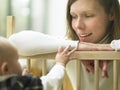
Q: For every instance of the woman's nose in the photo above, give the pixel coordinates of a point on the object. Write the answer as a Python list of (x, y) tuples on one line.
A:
[(80, 24)]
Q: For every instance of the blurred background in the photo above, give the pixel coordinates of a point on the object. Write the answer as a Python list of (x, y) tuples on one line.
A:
[(46, 16)]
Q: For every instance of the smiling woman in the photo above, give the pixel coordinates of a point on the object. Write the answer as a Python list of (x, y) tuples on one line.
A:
[(93, 21)]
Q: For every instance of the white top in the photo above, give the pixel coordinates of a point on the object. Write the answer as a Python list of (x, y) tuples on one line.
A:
[(54, 79), (115, 44), (32, 43)]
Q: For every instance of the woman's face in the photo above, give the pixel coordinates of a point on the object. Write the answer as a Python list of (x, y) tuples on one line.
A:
[(89, 20)]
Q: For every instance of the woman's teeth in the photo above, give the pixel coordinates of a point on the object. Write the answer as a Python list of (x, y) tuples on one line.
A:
[(85, 35)]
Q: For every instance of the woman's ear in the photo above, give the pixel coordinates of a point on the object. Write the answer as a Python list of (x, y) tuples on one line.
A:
[(4, 68), (111, 16)]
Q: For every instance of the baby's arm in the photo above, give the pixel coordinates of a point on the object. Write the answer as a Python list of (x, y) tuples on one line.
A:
[(54, 79)]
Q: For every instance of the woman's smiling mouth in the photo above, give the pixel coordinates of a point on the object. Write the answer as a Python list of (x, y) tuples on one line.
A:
[(85, 35)]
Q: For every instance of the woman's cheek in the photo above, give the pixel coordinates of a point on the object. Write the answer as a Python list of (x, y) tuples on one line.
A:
[(73, 26)]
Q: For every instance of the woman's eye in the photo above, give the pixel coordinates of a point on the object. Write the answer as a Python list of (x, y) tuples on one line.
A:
[(88, 15), (73, 16)]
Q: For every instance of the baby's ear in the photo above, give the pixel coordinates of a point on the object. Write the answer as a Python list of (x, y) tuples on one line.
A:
[(4, 68)]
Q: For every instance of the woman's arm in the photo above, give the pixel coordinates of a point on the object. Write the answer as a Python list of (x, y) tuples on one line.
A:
[(33, 43), (84, 46)]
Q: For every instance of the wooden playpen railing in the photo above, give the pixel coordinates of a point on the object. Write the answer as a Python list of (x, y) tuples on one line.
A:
[(81, 55)]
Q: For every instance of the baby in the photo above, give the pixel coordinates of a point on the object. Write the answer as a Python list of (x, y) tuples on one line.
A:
[(11, 77)]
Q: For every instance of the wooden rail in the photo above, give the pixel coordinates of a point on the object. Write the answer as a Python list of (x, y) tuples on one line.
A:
[(89, 55), (80, 55)]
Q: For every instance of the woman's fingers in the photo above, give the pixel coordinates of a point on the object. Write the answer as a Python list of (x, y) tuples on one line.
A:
[(104, 69), (89, 65)]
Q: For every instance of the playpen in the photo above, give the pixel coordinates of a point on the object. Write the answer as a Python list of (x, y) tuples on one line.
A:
[(82, 55)]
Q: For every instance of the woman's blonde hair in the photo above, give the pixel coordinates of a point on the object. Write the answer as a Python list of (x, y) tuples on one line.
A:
[(110, 6)]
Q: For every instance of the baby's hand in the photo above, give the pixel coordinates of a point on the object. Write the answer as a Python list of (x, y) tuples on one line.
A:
[(25, 71), (63, 55)]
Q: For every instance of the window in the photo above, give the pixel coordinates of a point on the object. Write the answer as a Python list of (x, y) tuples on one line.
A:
[(47, 16)]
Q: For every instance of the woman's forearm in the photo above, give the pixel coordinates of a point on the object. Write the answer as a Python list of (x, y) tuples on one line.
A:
[(84, 46), (33, 43)]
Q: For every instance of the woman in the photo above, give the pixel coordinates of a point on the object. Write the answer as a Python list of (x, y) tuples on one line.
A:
[(93, 21)]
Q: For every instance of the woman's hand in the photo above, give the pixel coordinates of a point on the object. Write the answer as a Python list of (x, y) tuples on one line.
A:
[(89, 64)]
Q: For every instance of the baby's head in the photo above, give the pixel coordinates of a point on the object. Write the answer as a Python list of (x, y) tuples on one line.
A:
[(8, 58)]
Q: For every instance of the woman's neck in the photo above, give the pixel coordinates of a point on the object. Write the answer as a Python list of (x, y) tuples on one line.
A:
[(106, 39)]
